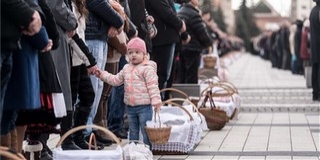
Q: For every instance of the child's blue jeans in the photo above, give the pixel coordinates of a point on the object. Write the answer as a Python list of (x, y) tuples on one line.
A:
[(137, 118)]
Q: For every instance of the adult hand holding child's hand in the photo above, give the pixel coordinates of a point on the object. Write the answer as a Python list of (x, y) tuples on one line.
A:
[(98, 73), (92, 69)]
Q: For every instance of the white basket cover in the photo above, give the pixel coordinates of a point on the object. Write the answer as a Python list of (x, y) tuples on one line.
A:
[(59, 154)]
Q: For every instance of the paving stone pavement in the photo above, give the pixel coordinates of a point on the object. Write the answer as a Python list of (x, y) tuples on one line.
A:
[(278, 119)]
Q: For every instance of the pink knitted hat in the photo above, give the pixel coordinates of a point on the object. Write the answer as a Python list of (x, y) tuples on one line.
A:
[(138, 44)]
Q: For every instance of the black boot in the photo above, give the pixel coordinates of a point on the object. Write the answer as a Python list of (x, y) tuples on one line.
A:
[(66, 125), (46, 153), (80, 118)]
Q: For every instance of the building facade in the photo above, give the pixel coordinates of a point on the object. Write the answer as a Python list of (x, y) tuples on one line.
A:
[(266, 16), (228, 13)]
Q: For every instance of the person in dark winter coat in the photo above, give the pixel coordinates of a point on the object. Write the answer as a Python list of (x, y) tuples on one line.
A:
[(315, 49), (169, 27), (15, 14), (273, 49), (305, 44), (66, 25), (25, 79), (297, 45), (38, 129), (284, 42), (19, 63), (138, 17), (190, 55), (278, 48)]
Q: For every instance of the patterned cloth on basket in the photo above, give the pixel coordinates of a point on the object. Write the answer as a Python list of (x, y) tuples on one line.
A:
[(184, 136)]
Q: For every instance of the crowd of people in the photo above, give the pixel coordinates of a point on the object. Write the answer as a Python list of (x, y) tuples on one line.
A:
[(57, 54), (293, 46)]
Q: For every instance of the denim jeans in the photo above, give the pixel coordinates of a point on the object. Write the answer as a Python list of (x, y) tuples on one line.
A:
[(137, 118), (99, 51), (5, 68), (116, 106), (116, 109)]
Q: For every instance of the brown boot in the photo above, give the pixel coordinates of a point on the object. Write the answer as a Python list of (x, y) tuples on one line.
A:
[(101, 136), (20, 136), (14, 143), (6, 140), (101, 133)]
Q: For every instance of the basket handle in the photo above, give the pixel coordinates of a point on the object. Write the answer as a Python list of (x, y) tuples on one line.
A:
[(156, 114), (207, 97), (175, 90), (229, 85), (92, 138), (106, 131), (209, 94), (223, 87), (11, 154), (195, 108), (170, 101)]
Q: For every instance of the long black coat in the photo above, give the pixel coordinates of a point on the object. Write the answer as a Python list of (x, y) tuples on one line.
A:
[(14, 14), (65, 21), (166, 20), (200, 38), (314, 33), (138, 18)]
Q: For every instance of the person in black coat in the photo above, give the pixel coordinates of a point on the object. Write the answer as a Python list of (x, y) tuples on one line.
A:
[(138, 18), (190, 55), (66, 23), (297, 44), (285, 46), (315, 49), (169, 27), (15, 14)]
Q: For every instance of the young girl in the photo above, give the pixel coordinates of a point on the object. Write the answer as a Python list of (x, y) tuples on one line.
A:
[(141, 90)]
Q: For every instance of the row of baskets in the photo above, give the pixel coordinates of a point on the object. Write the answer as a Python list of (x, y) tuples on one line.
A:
[(217, 103), (181, 122)]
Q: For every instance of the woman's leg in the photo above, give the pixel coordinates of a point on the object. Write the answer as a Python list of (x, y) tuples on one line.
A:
[(20, 136), (99, 51)]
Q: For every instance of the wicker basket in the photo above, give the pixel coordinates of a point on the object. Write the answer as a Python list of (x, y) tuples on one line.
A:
[(209, 61), (85, 154), (175, 102), (158, 135), (216, 118)]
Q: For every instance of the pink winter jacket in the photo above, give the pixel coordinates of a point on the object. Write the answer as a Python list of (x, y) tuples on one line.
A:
[(140, 83)]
